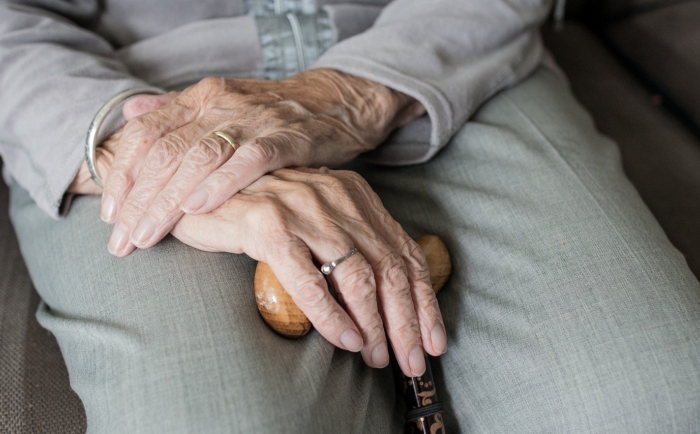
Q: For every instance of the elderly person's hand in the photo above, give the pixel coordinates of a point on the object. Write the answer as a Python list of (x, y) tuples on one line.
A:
[(290, 217), (170, 162), (105, 153)]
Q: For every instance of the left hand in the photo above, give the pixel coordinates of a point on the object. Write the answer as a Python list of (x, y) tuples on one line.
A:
[(292, 216), (170, 163)]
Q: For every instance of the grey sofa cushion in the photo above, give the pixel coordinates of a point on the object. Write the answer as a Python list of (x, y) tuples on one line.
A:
[(35, 396), (660, 155), (665, 45)]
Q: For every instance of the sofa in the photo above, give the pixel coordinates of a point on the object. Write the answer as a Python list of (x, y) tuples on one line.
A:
[(634, 64)]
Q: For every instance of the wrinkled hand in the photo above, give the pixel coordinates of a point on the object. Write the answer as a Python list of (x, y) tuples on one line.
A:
[(170, 163), (104, 154), (290, 217)]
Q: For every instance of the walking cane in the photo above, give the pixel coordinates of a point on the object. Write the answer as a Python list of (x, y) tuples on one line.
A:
[(424, 411)]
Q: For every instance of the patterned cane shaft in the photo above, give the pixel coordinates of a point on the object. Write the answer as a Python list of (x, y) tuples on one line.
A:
[(424, 412)]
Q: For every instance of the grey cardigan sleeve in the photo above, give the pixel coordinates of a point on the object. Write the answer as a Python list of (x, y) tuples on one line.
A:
[(54, 77), (451, 55)]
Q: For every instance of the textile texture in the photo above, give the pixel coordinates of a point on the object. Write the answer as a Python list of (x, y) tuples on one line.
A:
[(59, 57), (34, 393), (661, 156), (568, 310)]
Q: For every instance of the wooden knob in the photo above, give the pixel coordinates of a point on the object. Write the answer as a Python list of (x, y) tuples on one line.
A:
[(276, 306), (438, 258), (281, 313)]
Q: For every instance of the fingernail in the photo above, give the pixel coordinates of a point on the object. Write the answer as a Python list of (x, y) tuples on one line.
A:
[(439, 338), (351, 340), (416, 361), (144, 230), (119, 238), (195, 201), (380, 355), (109, 209)]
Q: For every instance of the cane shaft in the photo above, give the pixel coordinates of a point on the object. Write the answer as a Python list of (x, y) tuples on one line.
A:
[(420, 394)]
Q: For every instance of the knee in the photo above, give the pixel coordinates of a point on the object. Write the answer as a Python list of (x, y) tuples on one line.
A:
[(647, 384)]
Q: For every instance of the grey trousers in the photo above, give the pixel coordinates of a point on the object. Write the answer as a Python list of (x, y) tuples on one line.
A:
[(568, 309)]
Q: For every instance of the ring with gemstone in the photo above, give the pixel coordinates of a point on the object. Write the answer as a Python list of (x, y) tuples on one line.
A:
[(328, 267)]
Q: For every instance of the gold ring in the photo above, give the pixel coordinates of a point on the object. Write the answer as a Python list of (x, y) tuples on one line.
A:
[(228, 138)]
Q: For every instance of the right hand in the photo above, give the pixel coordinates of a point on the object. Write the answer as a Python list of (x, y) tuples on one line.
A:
[(292, 216)]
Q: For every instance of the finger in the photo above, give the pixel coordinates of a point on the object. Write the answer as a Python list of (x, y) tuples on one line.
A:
[(203, 158), (354, 282), (393, 287), (250, 162), (295, 270), (83, 182), (160, 165), (142, 104), (432, 328), (394, 295), (139, 136)]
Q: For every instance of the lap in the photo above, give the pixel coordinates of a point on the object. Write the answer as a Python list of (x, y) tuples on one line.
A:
[(568, 309), (169, 339)]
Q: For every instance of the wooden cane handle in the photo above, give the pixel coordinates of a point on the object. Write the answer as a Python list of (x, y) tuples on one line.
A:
[(281, 313)]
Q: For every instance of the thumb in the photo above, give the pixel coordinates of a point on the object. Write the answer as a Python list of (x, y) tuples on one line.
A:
[(142, 104)]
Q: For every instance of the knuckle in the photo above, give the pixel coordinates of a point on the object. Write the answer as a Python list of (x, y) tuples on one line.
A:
[(302, 193), (269, 215), (168, 202), (221, 179), (330, 186), (394, 273), (244, 103), (361, 294), (293, 108), (137, 125), (140, 128), (332, 182), (118, 179), (310, 289), (415, 256), (358, 277), (375, 331), (211, 85), (329, 318), (133, 209), (165, 152), (272, 115), (206, 151), (429, 304), (407, 330), (262, 151)]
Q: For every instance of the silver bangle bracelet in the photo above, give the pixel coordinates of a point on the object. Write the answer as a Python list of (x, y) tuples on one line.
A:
[(98, 120)]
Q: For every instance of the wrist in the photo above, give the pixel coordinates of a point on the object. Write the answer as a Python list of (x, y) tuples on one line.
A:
[(373, 109)]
